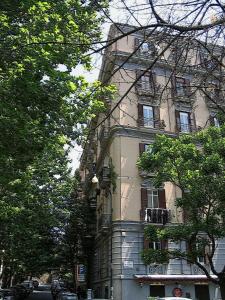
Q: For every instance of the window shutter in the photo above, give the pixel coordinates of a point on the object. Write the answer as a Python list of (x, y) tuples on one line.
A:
[(136, 43), (185, 216), (177, 117), (173, 86), (189, 122), (188, 247), (162, 198), (138, 81), (156, 116), (164, 244), (211, 120), (192, 122), (146, 244), (144, 202), (141, 148), (154, 82), (187, 87), (140, 115), (206, 256)]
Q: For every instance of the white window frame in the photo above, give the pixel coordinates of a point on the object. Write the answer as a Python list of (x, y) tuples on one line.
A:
[(144, 48), (200, 259), (155, 245), (145, 82), (180, 86), (216, 122), (153, 197), (148, 147), (148, 122), (184, 126), (147, 47)]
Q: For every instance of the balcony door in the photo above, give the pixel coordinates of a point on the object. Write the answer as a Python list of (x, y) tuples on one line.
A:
[(202, 292), (153, 198), (157, 290)]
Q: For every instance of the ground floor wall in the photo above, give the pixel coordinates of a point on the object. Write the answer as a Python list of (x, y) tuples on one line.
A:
[(128, 289), (125, 265)]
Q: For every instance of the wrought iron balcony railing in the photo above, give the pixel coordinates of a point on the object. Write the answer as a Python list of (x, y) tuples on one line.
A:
[(157, 215)]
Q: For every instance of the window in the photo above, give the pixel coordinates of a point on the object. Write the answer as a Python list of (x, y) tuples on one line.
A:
[(213, 90), (144, 48), (153, 204), (201, 259), (148, 148), (180, 86), (148, 116), (145, 147), (183, 120), (153, 198), (157, 290), (178, 54), (155, 245), (207, 59), (146, 82), (216, 122)]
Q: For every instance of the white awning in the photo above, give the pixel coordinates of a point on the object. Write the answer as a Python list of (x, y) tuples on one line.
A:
[(173, 277)]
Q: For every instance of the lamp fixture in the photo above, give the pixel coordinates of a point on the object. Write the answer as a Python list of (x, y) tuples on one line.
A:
[(94, 179)]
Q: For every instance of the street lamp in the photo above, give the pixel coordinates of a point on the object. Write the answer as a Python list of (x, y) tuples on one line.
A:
[(1, 266), (94, 179)]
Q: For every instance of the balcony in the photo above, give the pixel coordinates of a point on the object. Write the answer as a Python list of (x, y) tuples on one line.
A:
[(157, 215), (104, 222)]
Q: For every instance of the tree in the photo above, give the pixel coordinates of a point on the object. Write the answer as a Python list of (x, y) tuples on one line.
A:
[(196, 165), (35, 214), (44, 107), (70, 245), (38, 98)]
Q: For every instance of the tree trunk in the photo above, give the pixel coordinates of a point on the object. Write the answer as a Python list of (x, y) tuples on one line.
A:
[(222, 289), (73, 267)]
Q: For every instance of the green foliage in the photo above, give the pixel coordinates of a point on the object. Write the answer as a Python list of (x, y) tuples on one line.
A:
[(196, 165), (37, 211), (150, 256), (38, 98), (43, 108)]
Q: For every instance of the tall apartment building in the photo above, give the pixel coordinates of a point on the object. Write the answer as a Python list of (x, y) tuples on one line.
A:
[(163, 101)]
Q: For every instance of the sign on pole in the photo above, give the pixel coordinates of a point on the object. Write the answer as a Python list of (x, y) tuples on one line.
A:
[(81, 273), (89, 294)]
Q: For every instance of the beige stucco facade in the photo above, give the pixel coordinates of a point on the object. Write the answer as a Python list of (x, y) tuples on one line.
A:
[(119, 206)]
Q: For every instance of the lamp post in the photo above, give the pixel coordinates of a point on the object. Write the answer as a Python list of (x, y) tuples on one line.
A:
[(95, 181), (111, 242), (1, 266)]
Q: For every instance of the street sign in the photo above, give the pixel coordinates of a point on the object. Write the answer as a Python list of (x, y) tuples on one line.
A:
[(81, 273)]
